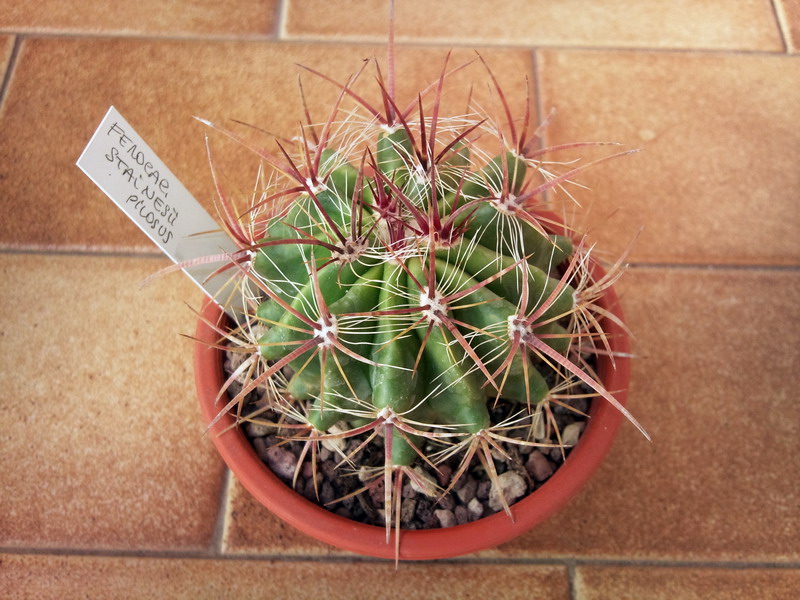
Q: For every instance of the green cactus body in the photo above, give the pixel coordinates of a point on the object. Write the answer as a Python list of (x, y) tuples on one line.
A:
[(395, 153), (392, 351)]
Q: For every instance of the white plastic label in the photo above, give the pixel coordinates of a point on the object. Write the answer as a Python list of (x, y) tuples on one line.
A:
[(122, 165)]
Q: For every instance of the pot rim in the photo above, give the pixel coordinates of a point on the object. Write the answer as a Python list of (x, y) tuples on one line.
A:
[(486, 532)]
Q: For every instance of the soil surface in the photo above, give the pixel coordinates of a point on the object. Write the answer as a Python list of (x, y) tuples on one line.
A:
[(347, 478)]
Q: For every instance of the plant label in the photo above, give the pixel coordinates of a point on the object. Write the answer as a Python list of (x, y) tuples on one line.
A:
[(127, 170)]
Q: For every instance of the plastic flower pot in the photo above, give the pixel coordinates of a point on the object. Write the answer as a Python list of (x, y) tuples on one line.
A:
[(370, 540)]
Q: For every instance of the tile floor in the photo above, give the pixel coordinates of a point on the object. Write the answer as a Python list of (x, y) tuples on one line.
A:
[(109, 488)]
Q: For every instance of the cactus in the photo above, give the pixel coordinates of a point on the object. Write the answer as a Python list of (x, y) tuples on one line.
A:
[(400, 282)]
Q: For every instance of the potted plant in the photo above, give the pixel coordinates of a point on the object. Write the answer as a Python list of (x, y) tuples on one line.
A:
[(405, 289)]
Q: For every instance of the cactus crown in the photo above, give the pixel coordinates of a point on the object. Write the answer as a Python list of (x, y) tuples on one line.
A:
[(400, 281)]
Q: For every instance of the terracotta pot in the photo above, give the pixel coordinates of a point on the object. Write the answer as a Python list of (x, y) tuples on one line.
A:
[(370, 540)]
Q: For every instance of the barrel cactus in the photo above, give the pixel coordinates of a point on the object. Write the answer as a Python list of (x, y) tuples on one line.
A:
[(399, 281)]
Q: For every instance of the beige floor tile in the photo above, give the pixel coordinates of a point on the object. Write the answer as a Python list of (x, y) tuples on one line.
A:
[(716, 180), (714, 384), (62, 577), (102, 438), (158, 86), (653, 583), (252, 529), (748, 24), (789, 13), (146, 17)]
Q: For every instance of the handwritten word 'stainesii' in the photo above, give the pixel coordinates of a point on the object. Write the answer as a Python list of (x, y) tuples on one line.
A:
[(152, 189)]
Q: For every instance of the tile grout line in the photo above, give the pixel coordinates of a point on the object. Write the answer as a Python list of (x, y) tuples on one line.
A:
[(80, 253), (714, 267), (280, 20), (10, 68), (571, 574), (683, 564), (140, 37), (522, 46), (537, 92), (783, 26), (421, 42), (571, 564), (221, 526), (540, 112), (85, 252)]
